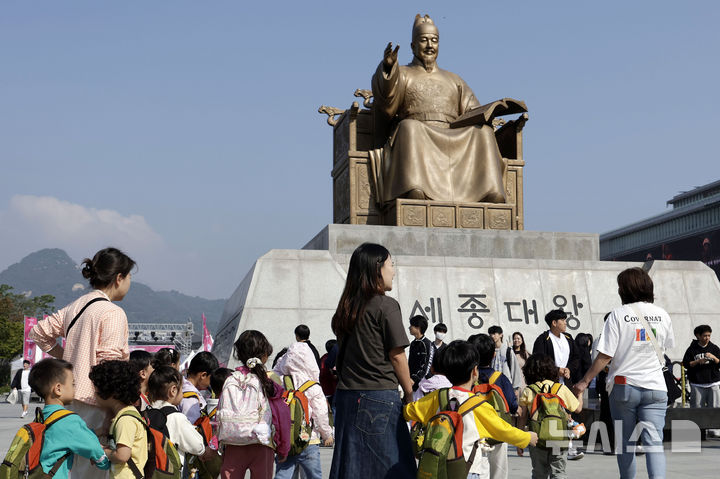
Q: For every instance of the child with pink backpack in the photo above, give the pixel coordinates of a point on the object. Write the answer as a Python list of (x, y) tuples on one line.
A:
[(253, 419)]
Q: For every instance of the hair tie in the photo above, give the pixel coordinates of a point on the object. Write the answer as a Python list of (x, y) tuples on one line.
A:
[(252, 362)]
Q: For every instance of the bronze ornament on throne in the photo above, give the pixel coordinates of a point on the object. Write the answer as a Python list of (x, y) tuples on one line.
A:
[(423, 151)]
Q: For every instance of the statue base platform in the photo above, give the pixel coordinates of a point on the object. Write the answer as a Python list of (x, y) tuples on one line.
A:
[(467, 279), (456, 242)]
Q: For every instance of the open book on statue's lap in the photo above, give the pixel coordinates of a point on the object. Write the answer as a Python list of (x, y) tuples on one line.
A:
[(484, 114)]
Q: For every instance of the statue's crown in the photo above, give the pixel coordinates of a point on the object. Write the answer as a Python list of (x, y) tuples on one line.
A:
[(423, 25)]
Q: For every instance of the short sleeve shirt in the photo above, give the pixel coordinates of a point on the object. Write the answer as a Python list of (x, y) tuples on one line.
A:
[(571, 402), (625, 340), (364, 361), (129, 432)]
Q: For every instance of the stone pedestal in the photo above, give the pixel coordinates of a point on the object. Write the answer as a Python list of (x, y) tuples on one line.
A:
[(469, 280)]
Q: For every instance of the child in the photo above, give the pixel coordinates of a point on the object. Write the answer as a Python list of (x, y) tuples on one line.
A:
[(486, 349), (198, 379), (459, 362), (217, 381), (437, 380), (250, 406), (52, 379), (141, 361), (540, 370), (117, 388), (166, 357), (165, 389), (299, 364)]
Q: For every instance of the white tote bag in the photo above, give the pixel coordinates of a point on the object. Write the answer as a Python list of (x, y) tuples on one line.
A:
[(13, 396)]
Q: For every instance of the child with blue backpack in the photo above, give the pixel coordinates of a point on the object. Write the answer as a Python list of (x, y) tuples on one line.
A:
[(459, 363)]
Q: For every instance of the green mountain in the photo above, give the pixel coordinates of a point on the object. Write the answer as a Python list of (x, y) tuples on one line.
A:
[(52, 271)]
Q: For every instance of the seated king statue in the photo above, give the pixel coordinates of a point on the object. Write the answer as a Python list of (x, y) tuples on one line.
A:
[(424, 157)]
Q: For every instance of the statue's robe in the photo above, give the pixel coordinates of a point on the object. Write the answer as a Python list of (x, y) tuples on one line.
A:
[(422, 151)]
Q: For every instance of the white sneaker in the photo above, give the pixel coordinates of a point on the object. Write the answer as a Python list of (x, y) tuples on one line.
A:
[(575, 455), (24, 413)]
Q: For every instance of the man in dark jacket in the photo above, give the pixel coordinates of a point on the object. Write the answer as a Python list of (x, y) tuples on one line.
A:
[(421, 352), (558, 344), (702, 360)]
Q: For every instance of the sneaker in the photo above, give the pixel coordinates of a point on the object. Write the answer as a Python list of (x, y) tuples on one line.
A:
[(575, 455), (24, 413)]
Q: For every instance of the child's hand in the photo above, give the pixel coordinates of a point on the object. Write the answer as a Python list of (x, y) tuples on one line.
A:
[(328, 442), (533, 439)]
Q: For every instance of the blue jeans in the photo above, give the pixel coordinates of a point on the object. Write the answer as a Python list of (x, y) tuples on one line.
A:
[(371, 437), (633, 406), (308, 460)]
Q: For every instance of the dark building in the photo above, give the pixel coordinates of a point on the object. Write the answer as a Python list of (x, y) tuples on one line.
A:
[(690, 231)]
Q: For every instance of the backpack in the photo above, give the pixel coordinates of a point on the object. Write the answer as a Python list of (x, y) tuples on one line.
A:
[(209, 469), (23, 456), (300, 422), (493, 394), (243, 412), (441, 451), (163, 459), (548, 415)]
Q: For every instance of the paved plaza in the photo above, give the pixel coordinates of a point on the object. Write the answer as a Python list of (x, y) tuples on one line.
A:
[(705, 464)]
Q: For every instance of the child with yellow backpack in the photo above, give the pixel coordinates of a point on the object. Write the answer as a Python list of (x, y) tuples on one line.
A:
[(301, 374), (547, 405), (479, 420)]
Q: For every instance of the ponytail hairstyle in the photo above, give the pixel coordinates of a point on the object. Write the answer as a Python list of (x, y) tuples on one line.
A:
[(166, 357), (160, 382), (107, 263), (252, 348), (364, 281)]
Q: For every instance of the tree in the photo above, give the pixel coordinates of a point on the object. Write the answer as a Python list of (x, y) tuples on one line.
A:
[(13, 309)]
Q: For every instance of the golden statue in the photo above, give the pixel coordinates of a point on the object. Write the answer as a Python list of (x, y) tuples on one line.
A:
[(425, 155)]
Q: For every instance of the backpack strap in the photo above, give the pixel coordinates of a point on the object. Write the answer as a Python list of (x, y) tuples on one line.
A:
[(131, 464), (307, 385), (77, 316), (167, 410), (443, 398), (57, 465), (470, 404), (56, 416), (288, 383), (191, 394), (494, 377)]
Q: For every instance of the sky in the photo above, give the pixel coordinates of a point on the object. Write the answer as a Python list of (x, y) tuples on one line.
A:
[(187, 134)]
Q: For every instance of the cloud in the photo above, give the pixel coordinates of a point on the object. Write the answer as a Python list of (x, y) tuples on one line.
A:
[(72, 226), (31, 223)]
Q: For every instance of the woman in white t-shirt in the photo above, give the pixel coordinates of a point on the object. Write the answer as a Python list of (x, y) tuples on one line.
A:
[(635, 381)]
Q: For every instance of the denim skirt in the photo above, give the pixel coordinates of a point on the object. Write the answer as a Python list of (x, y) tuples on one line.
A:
[(371, 436)]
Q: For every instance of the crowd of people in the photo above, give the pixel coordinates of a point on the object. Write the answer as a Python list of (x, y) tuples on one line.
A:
[(366, 397)]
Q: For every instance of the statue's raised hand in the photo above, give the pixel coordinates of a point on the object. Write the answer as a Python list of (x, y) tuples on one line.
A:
[(390, 57)]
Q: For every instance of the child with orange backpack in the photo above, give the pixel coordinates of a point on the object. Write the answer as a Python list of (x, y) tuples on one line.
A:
[(301, 376), (199, 372), (57, 433), (458, 362), (499, 391), (547, 405), (253, 419)]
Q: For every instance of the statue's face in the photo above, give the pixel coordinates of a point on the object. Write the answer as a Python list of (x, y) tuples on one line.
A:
[(425, 47)]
